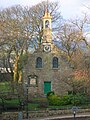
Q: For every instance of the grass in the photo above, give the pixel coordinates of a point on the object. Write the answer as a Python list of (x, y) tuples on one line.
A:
[(13, 102), (4, 86), (61, 107), (38, 102), (36, 106), (33, 106)]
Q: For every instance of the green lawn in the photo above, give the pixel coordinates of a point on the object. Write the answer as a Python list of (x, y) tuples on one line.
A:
[(10, 102), (38, 103), (36, 106), (4, 86)]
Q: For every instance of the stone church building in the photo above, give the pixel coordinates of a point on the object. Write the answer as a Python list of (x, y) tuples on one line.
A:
[(45, 65)]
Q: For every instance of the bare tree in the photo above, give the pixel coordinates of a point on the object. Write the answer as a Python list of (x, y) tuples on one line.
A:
[(36, 13), (74, 45), (16, 39)]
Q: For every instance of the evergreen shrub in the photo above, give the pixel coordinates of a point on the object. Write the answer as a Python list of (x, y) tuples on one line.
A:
[(54, 100), (50, 93), (77, 99)]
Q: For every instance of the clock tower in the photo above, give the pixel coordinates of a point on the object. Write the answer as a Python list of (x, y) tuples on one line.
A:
[(47, 30)]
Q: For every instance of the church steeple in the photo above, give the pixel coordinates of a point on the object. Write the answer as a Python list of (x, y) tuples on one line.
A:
[(47, 28), (47, 7)]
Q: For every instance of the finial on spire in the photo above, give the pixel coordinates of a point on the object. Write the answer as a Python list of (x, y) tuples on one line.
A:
[(47, 6)]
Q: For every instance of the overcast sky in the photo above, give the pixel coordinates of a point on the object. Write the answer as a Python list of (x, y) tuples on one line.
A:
[(69, 8)]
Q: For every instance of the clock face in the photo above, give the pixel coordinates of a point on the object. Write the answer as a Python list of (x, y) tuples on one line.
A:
[(47, 48)]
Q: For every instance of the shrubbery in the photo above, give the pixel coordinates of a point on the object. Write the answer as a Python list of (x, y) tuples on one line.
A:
[(54, 100), (66, 99), (78, 99), (50, 93)]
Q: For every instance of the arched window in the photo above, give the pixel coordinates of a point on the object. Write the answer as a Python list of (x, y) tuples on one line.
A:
[(55, 62), (39, 62), (47, 24)]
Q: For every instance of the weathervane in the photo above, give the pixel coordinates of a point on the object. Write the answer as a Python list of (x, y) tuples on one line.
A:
[(47, 6)]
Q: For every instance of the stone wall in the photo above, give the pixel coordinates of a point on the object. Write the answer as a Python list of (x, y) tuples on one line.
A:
[(46, 73), (41, 114)]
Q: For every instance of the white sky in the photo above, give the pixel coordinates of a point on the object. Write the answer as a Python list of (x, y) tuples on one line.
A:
[(69, 8)]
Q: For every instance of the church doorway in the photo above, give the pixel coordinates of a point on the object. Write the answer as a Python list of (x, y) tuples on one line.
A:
[(47, 87)]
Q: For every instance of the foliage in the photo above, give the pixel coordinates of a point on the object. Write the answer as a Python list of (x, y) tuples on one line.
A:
[(18, 26), (4, 86), (20, 31), (78, 99), (67, 99), (50, 93), (54, 100), (14, 103)]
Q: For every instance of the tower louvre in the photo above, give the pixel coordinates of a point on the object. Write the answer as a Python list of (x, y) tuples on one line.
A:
[(47, 27)]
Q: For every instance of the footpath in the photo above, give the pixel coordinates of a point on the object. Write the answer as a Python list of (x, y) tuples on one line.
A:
[(84, 116), (47, 115)]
